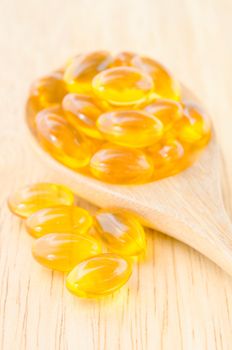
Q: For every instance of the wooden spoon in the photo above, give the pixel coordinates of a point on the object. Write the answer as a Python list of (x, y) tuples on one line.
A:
[(187, 206)]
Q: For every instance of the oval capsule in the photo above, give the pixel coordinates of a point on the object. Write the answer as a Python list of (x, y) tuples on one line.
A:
[(120, 231), (60, 219), (82, 112), (121, 165), (61, 140), (99, 276), (165, 85), (130, 128), (63, 251), (167, 111), (30, 199), (122, 85), (123, 58), (81, 70)]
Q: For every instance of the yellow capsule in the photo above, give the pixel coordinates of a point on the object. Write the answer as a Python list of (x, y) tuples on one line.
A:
[(120, 231), (99, 276), (59, 219), (194, 126), (165, 85), (82, 112), (33, 107), (81, 70), (123, 58), (167, 111), (121, 165), (63, 251), (130, 128), (122, 85), (32, 198), (61, 140)]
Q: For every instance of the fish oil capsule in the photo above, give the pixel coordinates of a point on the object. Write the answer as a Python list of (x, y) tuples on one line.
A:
[(82, 112), (165, 85), (194, 126), (120, 231), (30, 199), (167, 111), (130, 128), (63, 251), (61, 140), (99, 275), (122, 85), (121, 165), (123, 58), (81, 70), (60, 219)]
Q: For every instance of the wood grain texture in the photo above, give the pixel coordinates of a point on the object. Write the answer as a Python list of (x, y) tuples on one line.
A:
[(176, 299)]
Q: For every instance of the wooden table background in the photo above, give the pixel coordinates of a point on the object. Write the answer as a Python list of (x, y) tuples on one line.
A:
[(176, 299)]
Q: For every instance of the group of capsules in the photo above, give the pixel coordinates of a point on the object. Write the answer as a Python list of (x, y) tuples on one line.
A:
[(96, 251), (119, 118)]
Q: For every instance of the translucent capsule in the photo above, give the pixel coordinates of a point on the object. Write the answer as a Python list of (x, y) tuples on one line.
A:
[(61, 140), (98, 276), (167, 111), (123, 58), (165, 85), (59, 219), (63, 251), (82, 112), (120, 231), (130, 128), (122, 85), (33, 107), (81, 70), (121, 165), (32, 198), (194, 126)]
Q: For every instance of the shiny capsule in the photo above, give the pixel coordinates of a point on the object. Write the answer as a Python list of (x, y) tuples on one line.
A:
[(63, 251), (82, 112), (60, 219), (82, 69), (119, 165), (30, 199), (61, 140), (99, 276), (130, 128), (165, 85), (122, 85), (120, 231), (167, 111), (123, 58)]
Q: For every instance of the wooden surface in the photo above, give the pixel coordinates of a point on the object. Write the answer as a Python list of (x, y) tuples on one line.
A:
[(176, 299)]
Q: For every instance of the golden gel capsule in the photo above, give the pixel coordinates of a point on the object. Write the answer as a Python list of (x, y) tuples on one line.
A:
[(81, 70), (121, 165), (61, 140), (130, 128), (63, 251), (167, 111), (82, 112), (32, 198), (59, 219), (122, 85), (99, 276), (123, 58), (120, 231), (165, 85)]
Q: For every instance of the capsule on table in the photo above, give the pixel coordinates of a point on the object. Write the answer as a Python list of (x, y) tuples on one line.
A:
[(120, 231), (82, 112), (122, 85), (167, 111), (30, 199), (123, 58), (61, 140), (81, 70), (130, 128), (63, 251), (99, 276), (165, 84), (121, 165), (60, 219)]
